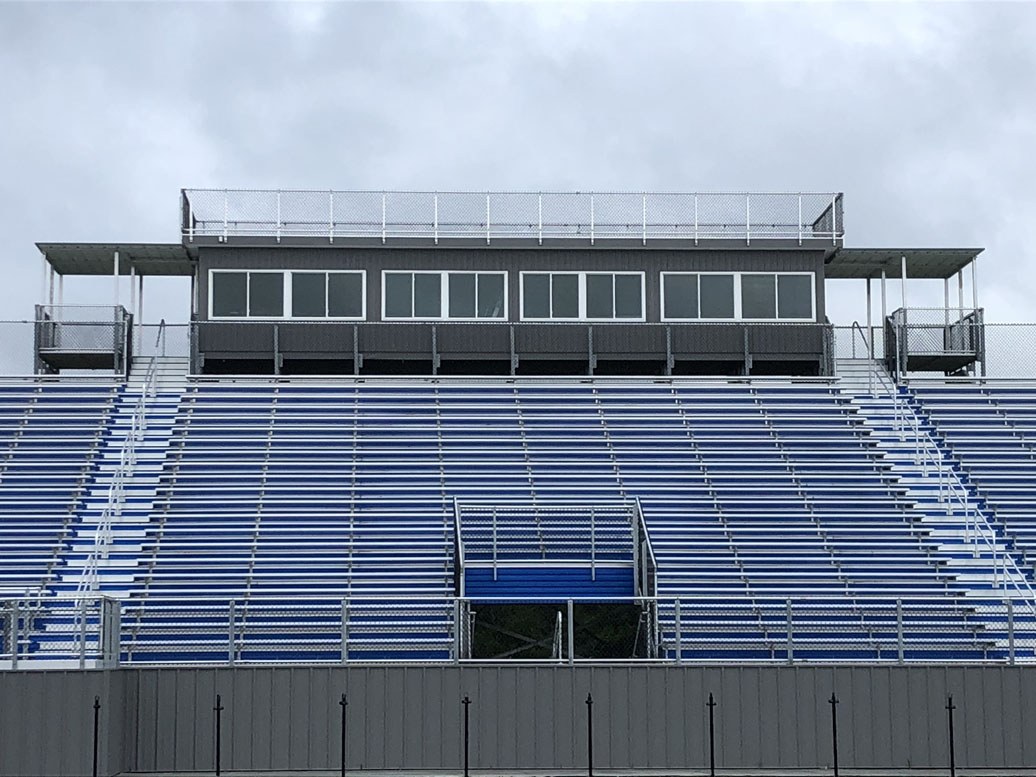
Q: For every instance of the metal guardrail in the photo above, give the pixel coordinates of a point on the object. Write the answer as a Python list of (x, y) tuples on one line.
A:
[(714, 628), (497, 533), (382, 216)]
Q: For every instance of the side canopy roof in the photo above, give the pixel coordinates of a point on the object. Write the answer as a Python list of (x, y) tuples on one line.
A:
[(99, 258), (920, 262)]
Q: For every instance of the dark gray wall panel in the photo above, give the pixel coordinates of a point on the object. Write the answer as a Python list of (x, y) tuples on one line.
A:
[(522, 717)]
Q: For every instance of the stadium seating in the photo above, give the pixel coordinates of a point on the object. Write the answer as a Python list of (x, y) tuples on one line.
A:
[(50, 433), (990, 433), (289, 516)]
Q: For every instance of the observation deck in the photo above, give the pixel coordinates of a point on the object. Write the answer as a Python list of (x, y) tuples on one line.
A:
[(612, 219)]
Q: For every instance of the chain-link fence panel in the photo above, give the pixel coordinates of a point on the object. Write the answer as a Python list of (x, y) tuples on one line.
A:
[(588, 215)]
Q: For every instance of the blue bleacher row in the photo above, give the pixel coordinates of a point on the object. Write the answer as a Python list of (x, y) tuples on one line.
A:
[(296, 492)]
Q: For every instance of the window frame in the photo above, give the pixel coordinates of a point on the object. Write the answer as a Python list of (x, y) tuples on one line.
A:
[(444, 296), (581, 293), (287, 287), (738, 317)]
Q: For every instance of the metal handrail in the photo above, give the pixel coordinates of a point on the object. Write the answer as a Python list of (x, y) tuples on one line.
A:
[(103, 535)]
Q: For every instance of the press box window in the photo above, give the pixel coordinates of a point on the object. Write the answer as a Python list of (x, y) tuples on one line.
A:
[(439, 295), (229, 294), (247, 294), (795, 296), (737, 296), (716, 296), (582, 296), (327, 295)]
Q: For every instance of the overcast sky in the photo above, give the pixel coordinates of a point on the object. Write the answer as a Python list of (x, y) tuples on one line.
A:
[(923, 114)]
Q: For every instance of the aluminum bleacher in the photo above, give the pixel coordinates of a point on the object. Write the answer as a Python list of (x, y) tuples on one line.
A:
[(315, 520), (989, 432), (50, 433)]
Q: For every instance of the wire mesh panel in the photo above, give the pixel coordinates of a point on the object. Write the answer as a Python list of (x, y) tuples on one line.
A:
[(409, 214), (847, 629), (575, 531)]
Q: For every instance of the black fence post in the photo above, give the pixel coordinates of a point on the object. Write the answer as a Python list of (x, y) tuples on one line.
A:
[(949, 717), (467, 703), (343, 704), (97, 727), (833, 701), (711, 704), (589, 735), (218, 709)]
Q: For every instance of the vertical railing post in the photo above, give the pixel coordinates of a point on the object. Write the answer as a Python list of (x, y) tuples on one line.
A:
[(218, 711), (833, 701), (643, 225), (1010, 631), (12, 634), (384, 220), (82, 633), (232, 632), (345, 631), (467, 733), (748, 219), (834, 219), (571, 632), (457, 640), (97, 731), (711, 704), (593, 545), (800, 220), (791, 647), (679, 632), (900, 653), (343, 704), (487, 219), (278, 227), (950, 707), (331, 216), (696, 219), (591, 218), (435, 225), (589, 735), (226, 206), (539, 203)]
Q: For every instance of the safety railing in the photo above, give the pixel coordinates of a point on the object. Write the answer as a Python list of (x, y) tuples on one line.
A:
[(496, 533), (941, 340), (226, 214), (74, 632), (807, 628), (112, 511)]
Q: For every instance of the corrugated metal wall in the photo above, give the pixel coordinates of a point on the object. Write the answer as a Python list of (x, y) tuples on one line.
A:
[(522, 717)]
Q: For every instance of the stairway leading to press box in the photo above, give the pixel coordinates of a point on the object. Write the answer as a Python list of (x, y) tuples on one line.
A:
[(958, 530), (551, 551), (152, 393)]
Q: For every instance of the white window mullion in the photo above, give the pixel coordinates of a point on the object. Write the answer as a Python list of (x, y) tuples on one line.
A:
[(581, 296)]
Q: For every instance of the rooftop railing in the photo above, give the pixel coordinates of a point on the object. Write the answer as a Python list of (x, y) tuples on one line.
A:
[(328, 215)]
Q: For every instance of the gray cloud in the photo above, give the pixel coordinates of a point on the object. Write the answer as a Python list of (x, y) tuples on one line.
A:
[(922, 114)]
